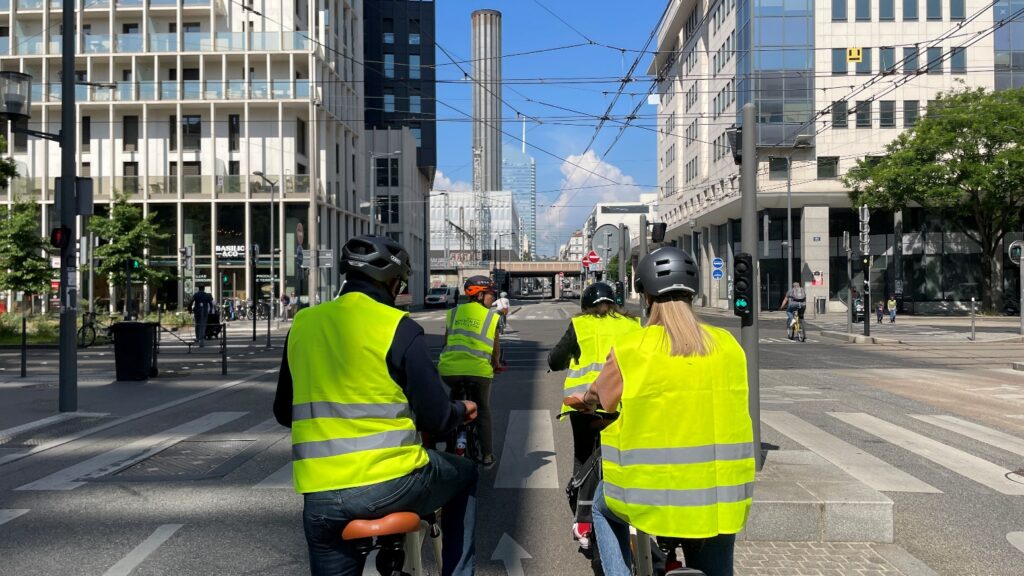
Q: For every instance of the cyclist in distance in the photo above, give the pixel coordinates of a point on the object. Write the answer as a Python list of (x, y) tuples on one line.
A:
[(794, 303), (679, 461), (582, 350), (471, 352), (356, 384)]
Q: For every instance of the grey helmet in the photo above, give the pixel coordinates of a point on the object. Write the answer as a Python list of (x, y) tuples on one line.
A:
[(667, 270), (377, 257)]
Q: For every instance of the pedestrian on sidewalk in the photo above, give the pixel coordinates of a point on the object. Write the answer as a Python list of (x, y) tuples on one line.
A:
[(201, 307), (891, 305), (880, 311)]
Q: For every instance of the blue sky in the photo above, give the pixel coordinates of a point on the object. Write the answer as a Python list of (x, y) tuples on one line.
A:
[(528, 26)]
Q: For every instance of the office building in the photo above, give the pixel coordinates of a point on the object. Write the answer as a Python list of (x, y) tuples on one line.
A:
[(519, 176)]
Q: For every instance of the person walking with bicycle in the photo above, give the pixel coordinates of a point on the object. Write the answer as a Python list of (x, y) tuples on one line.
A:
[(582, 351), (201, 307), (678, 463), (356, 384), (472, 353), (795, 302)]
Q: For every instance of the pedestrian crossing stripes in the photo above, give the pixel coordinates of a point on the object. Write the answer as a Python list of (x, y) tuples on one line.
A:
[(138, 555), (786, 341), (976, 432)]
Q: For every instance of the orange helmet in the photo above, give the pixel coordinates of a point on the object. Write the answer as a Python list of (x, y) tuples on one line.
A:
[(478, 284)]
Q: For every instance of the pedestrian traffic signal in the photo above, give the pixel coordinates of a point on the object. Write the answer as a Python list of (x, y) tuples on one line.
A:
[(743, 288), (60, 237), (136, 264), (224, 279)]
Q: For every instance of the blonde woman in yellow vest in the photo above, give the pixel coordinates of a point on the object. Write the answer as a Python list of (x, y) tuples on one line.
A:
[(356, 385), (582, 351), (679, 461)]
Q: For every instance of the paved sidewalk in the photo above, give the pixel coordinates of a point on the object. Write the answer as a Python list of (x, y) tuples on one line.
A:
[(825, 559)]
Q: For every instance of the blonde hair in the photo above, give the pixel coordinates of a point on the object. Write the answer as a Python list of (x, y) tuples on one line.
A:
[(683, 328)]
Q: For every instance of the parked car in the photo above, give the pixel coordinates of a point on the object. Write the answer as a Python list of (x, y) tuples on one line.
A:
[(442, 297)]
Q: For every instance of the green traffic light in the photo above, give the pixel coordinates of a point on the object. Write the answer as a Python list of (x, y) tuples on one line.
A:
[(741, 302)]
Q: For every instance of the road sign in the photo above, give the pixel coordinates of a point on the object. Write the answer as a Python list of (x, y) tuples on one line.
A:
[(586, 262), (561, 274), (606, 239), (718, 264), (717, 273), (855, 55), (326, 258), (593, 257), (1015, 250)]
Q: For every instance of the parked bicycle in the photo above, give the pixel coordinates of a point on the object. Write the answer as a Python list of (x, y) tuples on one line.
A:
[(93, 328)]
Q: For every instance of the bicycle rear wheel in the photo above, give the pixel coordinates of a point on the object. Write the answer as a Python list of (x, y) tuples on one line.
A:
[(86, 336)]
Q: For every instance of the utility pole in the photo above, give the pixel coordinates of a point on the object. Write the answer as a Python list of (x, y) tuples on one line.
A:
[(851, 311), (623, 238), (865, 252), (68, 342), (749, 333)]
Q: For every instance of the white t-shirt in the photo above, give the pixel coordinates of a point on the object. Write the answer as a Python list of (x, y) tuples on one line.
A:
[(502, 304)]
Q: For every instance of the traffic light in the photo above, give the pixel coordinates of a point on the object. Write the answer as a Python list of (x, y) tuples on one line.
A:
[(224, 279), (60, 237), (620, 294), (658, 230), (743, 287), (1016, 250), (186, 257), (136, 263)]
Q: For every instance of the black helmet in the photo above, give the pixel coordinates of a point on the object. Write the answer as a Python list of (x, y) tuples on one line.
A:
[(667, 270), (595, 293), (477, 284), (378, 257)]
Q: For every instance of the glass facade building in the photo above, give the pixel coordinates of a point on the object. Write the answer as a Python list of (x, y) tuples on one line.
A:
[(1009, 44), (519, 176)]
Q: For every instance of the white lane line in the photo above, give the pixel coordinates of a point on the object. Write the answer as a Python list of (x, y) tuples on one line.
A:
[(281, 479), (528, 457), (967, 465), (47, 421), (71, 477), (126, 565), (10, 514), (865, 467), (1016, 539), (976, 432), (149, 411)]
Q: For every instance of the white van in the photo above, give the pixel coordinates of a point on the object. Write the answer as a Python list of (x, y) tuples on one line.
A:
[(442, 297)]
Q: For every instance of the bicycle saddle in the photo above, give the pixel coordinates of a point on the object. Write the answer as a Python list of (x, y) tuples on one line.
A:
[(395, 523)]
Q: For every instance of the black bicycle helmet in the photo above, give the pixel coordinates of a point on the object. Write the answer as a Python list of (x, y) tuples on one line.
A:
[(378, 257), (477, 284), (596, 293), (667, 270)]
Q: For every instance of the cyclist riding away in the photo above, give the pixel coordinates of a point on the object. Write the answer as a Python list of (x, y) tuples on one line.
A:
[(678, 463), (794, 303), (502, 305), (471, 353), (356, 384), (582, 350)]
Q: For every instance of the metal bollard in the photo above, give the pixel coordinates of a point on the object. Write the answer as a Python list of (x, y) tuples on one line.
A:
[(224, 349), (24, 347), (973, 336)]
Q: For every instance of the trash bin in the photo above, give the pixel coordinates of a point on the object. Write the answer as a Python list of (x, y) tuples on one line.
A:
[(133, 350), (820, 305)]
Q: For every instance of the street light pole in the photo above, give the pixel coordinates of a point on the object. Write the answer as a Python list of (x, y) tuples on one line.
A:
[(68, 377), (789, 222)]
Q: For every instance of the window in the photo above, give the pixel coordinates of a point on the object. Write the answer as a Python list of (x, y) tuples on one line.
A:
[(887, 113), (863, 10), (130, 133), (300, 136), (910, 61), (414, 31), (778, 168), (337, 159), (389, 65), (86, 133), (389, 30), (864, 114), (387, 209), (864, 66), (389, 101), (130, 183), (191, 132), (839, 61), (234, 168), (887, 10), (957, 9), (887, 60), (417, 133), (173, 125), (911, 112), (234, 131), (958, 61), (839, 114), (381, 169), (394, 170), (934, 61), (415, 104), (910, 9), (828, 167), (934, 9), (839, 10), (414, 66)]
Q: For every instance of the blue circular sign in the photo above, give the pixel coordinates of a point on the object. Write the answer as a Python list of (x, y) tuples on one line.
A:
[(717, 263), (717, 274)]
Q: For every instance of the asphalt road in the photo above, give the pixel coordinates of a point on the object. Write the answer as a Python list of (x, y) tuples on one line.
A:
[(219, 503)]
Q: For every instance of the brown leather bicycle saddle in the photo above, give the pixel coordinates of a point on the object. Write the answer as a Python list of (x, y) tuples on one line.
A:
[(395, 523)]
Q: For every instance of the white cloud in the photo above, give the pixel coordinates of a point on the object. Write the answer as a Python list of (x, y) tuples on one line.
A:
[(446, 184), (593, 181)]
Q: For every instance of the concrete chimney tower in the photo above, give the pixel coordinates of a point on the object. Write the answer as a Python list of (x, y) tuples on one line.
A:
[(487, 111)]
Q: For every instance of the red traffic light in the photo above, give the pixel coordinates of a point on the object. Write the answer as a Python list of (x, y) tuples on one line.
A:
[(60, 237)]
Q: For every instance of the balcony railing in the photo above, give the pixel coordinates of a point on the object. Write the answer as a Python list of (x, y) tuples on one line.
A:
[(230, 186), (96, 4), (129, 42), (125, 91), (214, 90), (237, 90), (266, 41), (96, 44), (282, 89), (163, 3), (171, 90), (299, 40), (131, 3), (30, 47), (56, 44), (302, 89), (168, 89), (197, 42), (30, 4), (258, 90), (164, 42), (229, 41), (5, 5), (5, 45), (296, 185)]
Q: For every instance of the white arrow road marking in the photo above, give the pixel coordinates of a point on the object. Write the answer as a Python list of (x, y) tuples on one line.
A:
[(8, 515), (528, 457), (137, 556), (1016, 539), (511, 554)]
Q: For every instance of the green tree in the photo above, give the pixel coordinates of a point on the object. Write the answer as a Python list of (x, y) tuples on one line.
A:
[(613, 269), (125, 236), (23, 264), (963, 162)]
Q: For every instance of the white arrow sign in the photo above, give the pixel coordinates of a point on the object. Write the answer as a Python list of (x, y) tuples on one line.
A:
[(511, 554)]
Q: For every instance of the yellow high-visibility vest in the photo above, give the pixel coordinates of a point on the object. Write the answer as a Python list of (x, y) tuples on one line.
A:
[(679, 460), (471, 329), (351, 422), (595, 335)]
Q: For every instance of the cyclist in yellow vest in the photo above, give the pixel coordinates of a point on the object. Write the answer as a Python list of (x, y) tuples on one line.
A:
[(582, 351), (356, 385), (679, 460), (471, 353)]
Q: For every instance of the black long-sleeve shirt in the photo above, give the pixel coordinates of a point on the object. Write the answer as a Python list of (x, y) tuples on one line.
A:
[(409, 364), (567, 348)]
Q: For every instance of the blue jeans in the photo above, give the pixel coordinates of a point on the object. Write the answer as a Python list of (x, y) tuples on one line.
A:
[(713, 556), (791, 311), (447, 480)]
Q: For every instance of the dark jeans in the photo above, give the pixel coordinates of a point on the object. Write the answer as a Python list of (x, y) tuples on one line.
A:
[(478, 390), (447, 480), (713, 556), (201, 318)]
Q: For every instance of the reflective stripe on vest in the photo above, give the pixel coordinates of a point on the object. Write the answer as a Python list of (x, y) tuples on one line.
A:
[(595, 336), (351, 423), (679, 461), (471, 331)]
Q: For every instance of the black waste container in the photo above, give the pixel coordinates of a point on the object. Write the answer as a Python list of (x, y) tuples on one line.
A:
[(133, 349)]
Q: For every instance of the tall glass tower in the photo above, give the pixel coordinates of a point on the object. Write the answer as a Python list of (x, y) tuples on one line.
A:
[(519, 176)]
